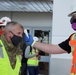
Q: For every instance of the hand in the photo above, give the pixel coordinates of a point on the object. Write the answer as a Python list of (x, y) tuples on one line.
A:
[(37, 54), (28, 40)]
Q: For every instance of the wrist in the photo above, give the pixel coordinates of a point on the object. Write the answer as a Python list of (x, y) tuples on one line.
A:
[(33, 43)]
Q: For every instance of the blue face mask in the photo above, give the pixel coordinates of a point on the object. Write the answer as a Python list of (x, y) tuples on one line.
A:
[(16, 39)]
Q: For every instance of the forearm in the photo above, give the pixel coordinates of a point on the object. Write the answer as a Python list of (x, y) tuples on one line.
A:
[(29, 55), (49, 48)]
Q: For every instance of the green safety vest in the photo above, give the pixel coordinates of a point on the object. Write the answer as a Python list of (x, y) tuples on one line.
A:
[(33, 62), (5, 66)]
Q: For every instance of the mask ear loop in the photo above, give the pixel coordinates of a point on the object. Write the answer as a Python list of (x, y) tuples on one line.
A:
[(12, 32)]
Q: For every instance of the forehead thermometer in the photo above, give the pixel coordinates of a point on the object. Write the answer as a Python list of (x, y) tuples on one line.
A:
[(25, 31)]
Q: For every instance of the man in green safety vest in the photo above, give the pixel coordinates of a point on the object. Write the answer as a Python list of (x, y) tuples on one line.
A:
[(10, 59)]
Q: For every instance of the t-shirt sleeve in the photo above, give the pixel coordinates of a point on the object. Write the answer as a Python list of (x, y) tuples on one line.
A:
[(65, 45)]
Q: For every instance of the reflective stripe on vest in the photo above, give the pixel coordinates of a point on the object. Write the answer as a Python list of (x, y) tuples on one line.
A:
[(72, 43), (1, 52), (32, 61), (5, 66), (72, 74)]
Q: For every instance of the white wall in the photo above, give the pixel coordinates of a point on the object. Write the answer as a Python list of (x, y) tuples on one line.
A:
[(30, 19), (61, 27), (33, 19), (60, 66)]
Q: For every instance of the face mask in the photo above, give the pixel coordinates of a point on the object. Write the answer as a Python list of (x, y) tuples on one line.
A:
[(1, 33), (74, 26), (16, 39)]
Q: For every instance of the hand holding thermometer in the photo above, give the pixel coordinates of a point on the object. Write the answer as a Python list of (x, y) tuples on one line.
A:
[(25, 31), (28, 38)]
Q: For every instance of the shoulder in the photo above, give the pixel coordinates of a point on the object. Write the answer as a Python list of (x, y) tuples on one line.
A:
[(65, 44), (72, 34), (27, 48)]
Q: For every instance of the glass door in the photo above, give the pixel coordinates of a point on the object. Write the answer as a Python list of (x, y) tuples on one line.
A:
[(44, 36)]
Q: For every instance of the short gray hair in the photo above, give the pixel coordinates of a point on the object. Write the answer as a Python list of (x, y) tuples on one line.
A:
[(11, 24)]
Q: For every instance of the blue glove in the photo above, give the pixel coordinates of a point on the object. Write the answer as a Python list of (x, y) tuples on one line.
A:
[(28, 40)]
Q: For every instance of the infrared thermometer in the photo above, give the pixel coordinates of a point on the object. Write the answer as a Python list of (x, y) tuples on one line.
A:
[(25, 31)]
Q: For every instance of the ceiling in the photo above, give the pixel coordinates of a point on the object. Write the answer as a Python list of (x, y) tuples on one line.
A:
[(26, 5)]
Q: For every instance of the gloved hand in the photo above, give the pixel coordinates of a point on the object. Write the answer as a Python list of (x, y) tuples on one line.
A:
[(28, 40)]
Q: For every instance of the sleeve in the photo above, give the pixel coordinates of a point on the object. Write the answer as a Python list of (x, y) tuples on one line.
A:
[(27, 53), (65, 45)]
